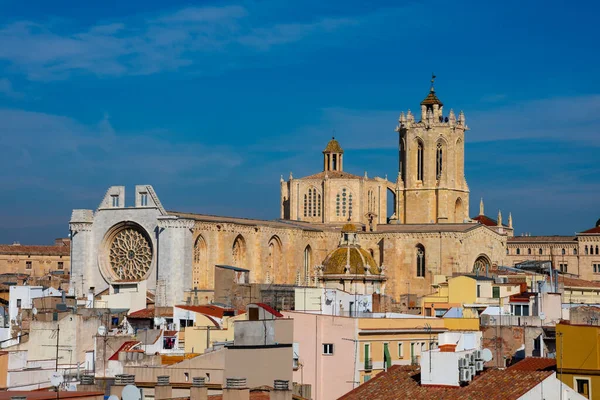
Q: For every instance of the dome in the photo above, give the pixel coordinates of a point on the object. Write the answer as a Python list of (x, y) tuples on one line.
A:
[(333, 147), (598, 224), (431, 99), (358, 259)]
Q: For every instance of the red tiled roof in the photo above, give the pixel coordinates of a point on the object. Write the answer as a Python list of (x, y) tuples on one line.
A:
[(593, 230), (487, 221), (403, 382), (535, 364), (170, 333), (148, 313), (575, 282), (60, 250), (260, 393), (522, 297), (212, 310), (127, 346), (270, 309), (335, 175)]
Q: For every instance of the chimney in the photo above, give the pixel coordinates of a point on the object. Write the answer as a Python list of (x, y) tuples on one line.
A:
[(281, 390), (235, 389), (163, 389), (120, 382), (87, 384), (198, 391)]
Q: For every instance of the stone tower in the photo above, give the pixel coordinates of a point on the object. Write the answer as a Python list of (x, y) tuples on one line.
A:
[(431, 185)]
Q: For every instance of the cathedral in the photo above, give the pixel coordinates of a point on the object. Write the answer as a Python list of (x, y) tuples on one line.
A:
[(333, 227)]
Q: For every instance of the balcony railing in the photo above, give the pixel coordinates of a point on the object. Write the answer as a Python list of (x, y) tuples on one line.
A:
[(368, 364)]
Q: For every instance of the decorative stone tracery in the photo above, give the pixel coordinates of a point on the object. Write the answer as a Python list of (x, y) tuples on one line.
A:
[(130, 255)]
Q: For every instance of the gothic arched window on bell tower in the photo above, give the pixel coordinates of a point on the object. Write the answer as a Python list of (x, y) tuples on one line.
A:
[(439, 160), (420, 161), (402, 159), (420, 253)]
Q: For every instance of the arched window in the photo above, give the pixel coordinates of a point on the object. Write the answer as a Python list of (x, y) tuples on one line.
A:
[(529, 251), (575, 251), (596, 250), (541, 251), (238, 252), (402, 168), (507, 252), (482, 264), (518, 252), (199, 270), (420, 257), (586, 250), (420, 161), (439, 160), (274, 261), (307, 262), (564, 252)]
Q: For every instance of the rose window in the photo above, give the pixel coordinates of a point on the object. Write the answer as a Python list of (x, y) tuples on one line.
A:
[(130, 255)]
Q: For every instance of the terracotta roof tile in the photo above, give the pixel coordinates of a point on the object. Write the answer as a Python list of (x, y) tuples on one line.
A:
[(535, 364), (127, 346), (333, 147), (335, 175), (150, 313), (55, 250), (575, 282), (403, 382), (487, 221), (541, 239), (593, 230)]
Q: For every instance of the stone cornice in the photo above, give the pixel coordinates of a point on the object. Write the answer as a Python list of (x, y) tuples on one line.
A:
[(176, 223), (80, 226)]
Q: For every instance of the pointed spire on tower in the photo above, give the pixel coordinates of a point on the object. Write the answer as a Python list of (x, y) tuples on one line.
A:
[(510, 220), (481, 207), (499, 218)]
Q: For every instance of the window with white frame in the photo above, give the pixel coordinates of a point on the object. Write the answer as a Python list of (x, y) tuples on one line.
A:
[(328, 349), (400, 350), (115, 200), (144, 199), (521, 310)]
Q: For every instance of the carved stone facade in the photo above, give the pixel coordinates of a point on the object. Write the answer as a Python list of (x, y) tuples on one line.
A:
[(183, 249)]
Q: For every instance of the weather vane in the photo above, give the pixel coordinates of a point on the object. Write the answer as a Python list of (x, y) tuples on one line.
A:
[(432, 80)]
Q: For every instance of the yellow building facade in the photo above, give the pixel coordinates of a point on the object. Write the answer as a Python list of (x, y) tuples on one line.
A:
[(578, 358), (383, 342), (208, 330)]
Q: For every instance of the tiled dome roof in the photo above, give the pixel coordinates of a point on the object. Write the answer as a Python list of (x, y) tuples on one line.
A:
[(333, 147), (431, 99), (349, 228), (358, 259)]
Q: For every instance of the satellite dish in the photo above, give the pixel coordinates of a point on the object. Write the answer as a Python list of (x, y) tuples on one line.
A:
[(34, 311), (101, 330), (542, 316), (131, 392), (113, 397), (486, 354), (56, 379)]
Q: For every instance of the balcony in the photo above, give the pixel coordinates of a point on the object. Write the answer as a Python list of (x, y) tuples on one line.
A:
[(368, 364)]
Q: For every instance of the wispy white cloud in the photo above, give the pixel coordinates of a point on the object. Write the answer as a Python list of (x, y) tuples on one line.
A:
[(29, 140), (194, 35)]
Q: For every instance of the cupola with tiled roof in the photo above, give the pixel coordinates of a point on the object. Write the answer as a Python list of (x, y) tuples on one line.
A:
[(333, 156)]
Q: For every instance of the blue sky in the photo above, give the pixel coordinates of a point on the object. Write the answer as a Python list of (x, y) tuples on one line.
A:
[(210, 102)]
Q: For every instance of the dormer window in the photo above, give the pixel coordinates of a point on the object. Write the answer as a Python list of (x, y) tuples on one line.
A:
[(144, 199), (115, 200)]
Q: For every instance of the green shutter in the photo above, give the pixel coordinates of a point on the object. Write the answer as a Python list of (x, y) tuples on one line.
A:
[(386, 356), (496, 292), (367, 363)]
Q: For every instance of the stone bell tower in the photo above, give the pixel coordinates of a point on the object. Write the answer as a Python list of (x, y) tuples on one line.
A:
[(431, 186)]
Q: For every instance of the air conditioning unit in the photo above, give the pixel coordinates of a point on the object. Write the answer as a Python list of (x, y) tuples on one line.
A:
[(478, 355), (479, 365), (471, 358), (473, 371), (462, 362), (465, 375)]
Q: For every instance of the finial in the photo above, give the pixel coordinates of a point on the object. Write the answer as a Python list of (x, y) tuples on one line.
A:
[(366, 177), (291, 177), (499, 218), (281, 179), (510, 220), (432, 80), (481, 207)]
